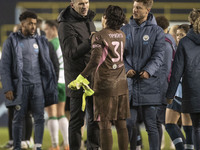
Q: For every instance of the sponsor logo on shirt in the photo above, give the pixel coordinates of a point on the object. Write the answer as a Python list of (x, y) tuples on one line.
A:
[(96, 46), (116, 35)]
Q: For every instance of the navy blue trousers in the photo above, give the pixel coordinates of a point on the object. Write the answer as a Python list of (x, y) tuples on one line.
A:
[(33, 100), (149, 114), (196, 129)]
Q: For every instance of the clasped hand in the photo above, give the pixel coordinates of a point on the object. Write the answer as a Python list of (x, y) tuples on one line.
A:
[(169, 100), (143, 74), (9, 95)]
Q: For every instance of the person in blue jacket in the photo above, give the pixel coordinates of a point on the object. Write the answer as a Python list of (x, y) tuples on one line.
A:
[(143, 58), (28, 77), (163, 22), (186, 65)]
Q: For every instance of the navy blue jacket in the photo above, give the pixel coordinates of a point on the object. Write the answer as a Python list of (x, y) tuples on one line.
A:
[(167, 64), (187, 65), (144, 50), (12, 65)]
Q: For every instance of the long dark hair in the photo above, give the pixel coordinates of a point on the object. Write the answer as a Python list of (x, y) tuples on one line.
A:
[(115, 17)]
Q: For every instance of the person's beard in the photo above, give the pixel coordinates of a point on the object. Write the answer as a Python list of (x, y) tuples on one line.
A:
[(139, 20), (30, 32)]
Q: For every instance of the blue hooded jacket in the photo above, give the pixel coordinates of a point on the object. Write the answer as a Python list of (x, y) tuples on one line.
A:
[(187, 65), (144, 50), (12, 65)]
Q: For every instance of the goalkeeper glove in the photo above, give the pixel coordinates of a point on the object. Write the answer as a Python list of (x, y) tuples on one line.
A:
[(76, 84), (87, 92)]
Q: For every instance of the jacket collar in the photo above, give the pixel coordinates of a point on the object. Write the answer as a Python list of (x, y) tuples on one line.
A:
[(69, 14), (194, 36), (26, 37), (150, 21)]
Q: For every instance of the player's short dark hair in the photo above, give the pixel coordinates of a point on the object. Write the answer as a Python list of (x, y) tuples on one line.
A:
[(27, 14), (147, 3), (52, 23), (185, 27), (115, 17), (163, 22)]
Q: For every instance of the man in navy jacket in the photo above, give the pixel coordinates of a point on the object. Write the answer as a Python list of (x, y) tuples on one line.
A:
[(28, 77), (143, 56)]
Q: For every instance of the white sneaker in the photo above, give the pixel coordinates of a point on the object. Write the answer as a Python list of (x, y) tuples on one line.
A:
[(24, 145), (82, 145), (30, 143), (172, 145), (138, 147)]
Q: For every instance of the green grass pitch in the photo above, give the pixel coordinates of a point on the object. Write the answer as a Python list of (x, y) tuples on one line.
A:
[(47, 140)]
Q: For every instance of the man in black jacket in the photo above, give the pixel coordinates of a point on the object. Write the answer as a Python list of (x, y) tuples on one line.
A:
[(75, 28)]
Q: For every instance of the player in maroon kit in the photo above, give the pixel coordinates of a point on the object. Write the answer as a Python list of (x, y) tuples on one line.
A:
[(110, 84)]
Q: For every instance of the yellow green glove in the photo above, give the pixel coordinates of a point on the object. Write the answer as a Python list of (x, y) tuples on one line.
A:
[(88, 92), (76, 84)]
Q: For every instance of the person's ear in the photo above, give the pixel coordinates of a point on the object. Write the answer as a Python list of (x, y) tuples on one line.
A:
[(148, 10), (54, 28), (22, 24), (72, 4)]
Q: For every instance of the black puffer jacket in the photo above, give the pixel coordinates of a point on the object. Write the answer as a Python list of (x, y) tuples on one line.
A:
[(74, 32), (187, 65)]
